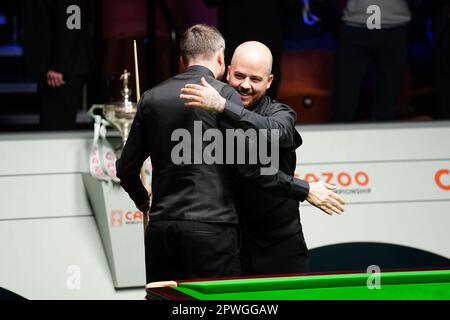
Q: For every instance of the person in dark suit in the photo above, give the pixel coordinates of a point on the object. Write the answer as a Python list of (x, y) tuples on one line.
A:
[(263, 21), (192, 230), (58, 53), (359, 47), (273, 241)]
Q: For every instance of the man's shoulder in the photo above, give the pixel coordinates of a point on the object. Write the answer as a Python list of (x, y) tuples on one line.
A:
[(159, 90), (163, 85), (225, 90), (145, 97), (272, 106), (217, 84), (273, 103), (275, 107)]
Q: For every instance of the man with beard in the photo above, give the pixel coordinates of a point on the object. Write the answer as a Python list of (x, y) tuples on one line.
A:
[(192, 230), (273, 241)]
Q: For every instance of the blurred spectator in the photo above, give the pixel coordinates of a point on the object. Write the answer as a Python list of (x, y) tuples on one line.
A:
[(440, 15), (263, 21), (59, 57), (360, 46)]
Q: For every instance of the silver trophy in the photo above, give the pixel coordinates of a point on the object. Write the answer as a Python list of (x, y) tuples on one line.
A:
[(119, 114)]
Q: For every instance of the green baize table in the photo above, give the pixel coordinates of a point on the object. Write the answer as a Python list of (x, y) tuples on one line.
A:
[(398, 285)]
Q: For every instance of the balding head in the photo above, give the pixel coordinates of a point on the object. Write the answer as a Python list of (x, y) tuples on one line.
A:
[(250, 71), (253, 52)]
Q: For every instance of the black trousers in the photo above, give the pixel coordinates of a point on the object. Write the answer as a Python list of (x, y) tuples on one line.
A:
[(359, 47), (287, 256), (59, 105), (179, 250)]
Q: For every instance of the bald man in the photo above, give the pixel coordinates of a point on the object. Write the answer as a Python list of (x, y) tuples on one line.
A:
[(273, 241)]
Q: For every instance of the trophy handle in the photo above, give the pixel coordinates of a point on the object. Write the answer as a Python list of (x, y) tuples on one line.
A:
[(93, 108)]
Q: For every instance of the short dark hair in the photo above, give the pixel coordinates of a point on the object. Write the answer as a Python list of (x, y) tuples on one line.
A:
[(200, 40)]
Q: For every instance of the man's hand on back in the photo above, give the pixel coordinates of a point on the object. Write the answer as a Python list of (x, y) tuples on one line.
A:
[(203, 96), (322, 196)]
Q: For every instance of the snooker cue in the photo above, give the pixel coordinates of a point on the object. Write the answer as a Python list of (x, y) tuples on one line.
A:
[(138, 96)]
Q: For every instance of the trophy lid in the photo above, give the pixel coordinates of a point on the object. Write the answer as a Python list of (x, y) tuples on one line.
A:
[(126, 102), (126, 92)]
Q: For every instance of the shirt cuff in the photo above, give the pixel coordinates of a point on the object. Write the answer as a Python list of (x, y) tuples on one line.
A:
[(301, 189)]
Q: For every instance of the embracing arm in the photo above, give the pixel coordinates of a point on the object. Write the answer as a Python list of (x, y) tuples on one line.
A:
[(204, 96), (319, 194)]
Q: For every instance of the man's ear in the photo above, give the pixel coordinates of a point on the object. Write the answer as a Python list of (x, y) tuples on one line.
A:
[(182, 66), (269, 81), (228, 73), (221, 56)]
